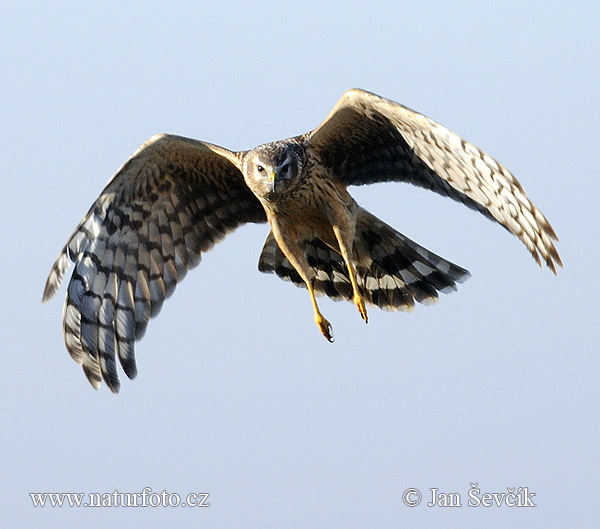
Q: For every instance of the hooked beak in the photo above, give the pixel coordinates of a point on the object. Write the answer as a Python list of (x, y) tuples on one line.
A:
[(273, 179)]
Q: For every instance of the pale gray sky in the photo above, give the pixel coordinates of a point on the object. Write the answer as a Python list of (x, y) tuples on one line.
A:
[(238, 395)]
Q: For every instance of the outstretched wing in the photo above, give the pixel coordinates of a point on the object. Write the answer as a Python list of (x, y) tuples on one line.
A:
[(367, 139), (171, 201)]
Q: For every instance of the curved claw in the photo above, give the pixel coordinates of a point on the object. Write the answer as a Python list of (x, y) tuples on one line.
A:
[(358, 301), (324, 327)]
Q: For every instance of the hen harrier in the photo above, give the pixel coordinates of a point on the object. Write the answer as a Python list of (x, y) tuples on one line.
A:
[(176, 197)]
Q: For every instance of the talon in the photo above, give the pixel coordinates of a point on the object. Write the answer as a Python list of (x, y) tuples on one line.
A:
[(324, 327), (361, 308)]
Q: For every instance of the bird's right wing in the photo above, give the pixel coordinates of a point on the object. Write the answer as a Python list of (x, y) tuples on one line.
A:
[(367, 139), (171, 201)]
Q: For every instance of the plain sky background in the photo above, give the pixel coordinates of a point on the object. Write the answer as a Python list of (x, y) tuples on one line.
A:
[(238, 395)]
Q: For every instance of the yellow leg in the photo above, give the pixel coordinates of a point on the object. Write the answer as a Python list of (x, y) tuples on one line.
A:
[(322, 323), (356, 298), (296, 257)]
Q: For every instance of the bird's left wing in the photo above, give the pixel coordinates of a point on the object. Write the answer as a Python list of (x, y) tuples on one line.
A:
[(171, 201), (367, 139)]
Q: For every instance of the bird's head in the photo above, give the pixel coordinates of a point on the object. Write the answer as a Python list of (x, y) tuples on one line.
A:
[(272, 169)]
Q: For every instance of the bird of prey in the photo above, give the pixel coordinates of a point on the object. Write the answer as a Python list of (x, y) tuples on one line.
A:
[(176, 197)]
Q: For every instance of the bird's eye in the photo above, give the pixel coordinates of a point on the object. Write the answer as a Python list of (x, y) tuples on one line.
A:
[(260, 168)]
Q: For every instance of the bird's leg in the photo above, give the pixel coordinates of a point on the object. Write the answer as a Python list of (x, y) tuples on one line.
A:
[(322, 323), (292, 250), (345, 244)]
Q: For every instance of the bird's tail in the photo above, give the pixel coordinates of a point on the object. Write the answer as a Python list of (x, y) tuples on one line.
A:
[(392, 271)]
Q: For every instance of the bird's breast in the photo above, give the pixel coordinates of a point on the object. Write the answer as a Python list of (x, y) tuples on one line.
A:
[(310, 209)]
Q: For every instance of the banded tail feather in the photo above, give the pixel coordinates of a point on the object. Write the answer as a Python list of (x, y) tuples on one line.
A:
[(392, 271)]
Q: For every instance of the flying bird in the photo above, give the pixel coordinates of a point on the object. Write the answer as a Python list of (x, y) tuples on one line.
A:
[(176, 197)]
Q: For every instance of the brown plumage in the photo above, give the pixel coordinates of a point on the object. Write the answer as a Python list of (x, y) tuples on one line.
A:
[(176, 197)]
